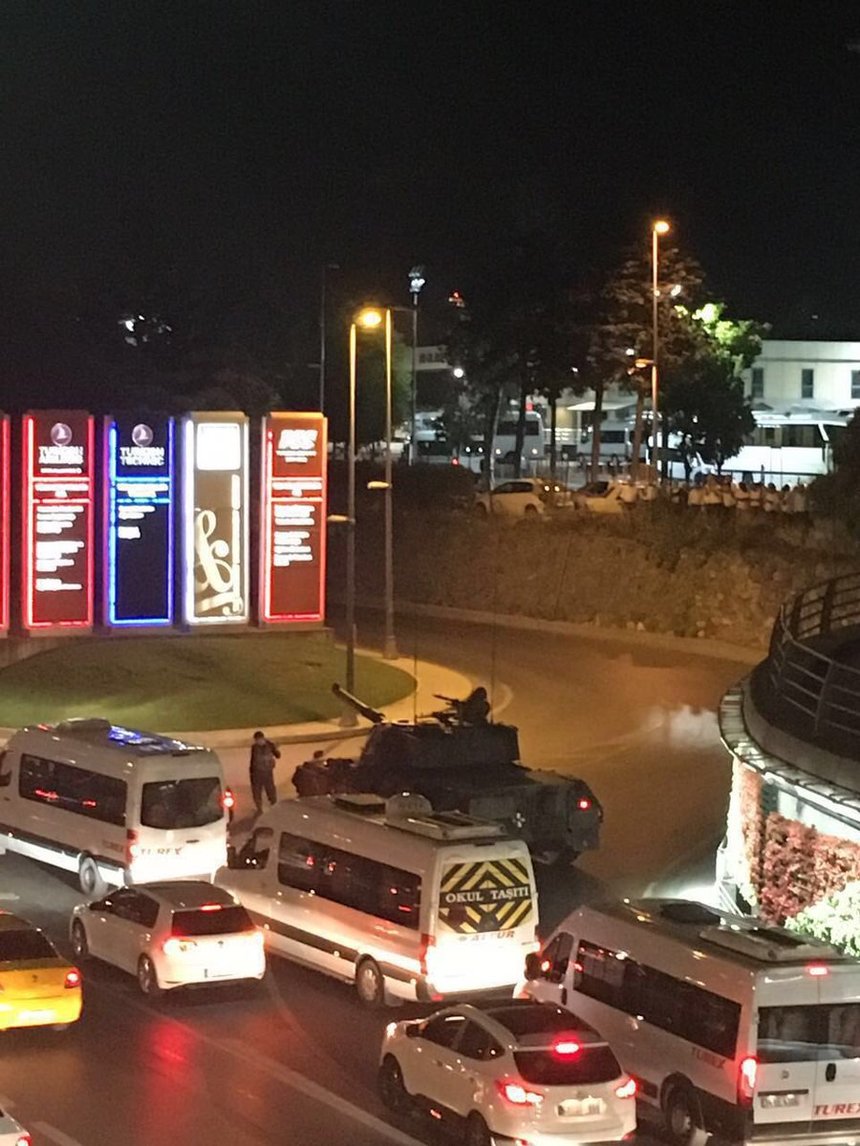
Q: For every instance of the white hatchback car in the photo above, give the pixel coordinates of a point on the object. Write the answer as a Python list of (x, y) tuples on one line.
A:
[(515, 1070), (12, 1133), (524, 497), (171, 935)]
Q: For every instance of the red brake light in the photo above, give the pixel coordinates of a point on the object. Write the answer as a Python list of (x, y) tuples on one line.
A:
[(132, 847), (173, 946), (517, 1094), (228, 800), (627, 1089), (73, 979), (210, 907), (566, 1048), (23, 1140), (583, 804), (817, 969), (747, 1074)]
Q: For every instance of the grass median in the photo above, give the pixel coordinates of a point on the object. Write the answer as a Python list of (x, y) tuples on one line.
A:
[(192, 683)]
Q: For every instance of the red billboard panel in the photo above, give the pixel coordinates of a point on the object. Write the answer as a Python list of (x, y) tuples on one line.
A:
[(292, 575), (57, 555)]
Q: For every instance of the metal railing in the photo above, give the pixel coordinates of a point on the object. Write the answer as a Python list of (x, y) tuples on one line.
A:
[(808, 684)]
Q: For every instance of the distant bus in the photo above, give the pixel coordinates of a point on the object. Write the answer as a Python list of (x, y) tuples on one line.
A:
[(788, 448), (433, 447)]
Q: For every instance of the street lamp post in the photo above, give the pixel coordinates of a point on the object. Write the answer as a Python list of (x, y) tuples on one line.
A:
[(350, 522), (658, 228), (416, 282), (324, 282), (389, 647)]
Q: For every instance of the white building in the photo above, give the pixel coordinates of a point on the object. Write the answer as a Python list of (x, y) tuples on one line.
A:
[(792, 375)]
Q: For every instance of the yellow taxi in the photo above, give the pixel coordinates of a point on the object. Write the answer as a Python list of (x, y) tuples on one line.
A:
[(37, 986)]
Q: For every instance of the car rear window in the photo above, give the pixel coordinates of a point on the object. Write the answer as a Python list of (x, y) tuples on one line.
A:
[(224, 921), (26, 943), (591, 1064)]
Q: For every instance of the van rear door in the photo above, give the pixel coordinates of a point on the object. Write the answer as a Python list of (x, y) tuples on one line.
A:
[(837, 1082)]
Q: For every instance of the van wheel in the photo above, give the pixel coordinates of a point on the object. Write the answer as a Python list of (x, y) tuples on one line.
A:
[(147, 979), (390, 1082), (477, 1131), (369, 983), (683, 1122), (90, 878), (79, 941)]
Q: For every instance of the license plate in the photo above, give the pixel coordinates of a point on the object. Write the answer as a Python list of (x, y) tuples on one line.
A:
[(581, 1107)]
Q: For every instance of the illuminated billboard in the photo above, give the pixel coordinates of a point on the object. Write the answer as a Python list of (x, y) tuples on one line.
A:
[(215, 518), (57, 557), (292, 553), (4, 523), (139, 520)]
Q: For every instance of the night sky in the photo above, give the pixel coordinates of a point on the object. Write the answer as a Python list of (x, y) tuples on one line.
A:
[(243, 145)]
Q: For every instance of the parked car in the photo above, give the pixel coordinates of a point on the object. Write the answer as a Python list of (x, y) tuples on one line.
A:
[(171, 935), (512, 1071), (605, 496), (524, 497), (12, 1133)]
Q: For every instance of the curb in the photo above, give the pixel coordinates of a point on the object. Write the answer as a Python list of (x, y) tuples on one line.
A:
[(700, 646)]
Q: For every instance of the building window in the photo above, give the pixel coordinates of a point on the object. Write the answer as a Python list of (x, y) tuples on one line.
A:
[(855, 383), (807, 383), (757, 387)]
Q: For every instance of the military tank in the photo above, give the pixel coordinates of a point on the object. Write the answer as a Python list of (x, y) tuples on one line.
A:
[(467, 767)]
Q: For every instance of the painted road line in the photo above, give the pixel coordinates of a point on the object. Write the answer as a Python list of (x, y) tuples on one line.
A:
[(296, 1081), (290, 1078), (54, 1135)]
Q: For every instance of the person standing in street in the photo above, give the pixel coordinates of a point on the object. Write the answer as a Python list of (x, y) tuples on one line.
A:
[(262, 768)]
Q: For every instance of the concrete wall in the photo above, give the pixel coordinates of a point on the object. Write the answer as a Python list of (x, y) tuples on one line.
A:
[(682, 572), (832, 364)]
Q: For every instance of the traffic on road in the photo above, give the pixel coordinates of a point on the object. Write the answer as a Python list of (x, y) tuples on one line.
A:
[(375, 912)]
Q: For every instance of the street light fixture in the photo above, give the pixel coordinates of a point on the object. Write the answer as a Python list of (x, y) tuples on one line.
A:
[(370, 319), (416, 283), (658, 227)]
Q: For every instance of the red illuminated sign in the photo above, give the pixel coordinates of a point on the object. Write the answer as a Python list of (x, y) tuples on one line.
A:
[(292, 577), (4, 523), (58, 520)]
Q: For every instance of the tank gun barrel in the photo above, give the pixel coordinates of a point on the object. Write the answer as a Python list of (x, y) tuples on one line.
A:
[(371, 714)]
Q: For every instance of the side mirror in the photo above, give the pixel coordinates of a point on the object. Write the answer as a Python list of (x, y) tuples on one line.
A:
[(533, 966)]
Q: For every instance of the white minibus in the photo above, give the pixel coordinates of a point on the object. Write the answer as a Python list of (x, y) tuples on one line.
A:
[(404, 902), (731, 1027), (115, 805)]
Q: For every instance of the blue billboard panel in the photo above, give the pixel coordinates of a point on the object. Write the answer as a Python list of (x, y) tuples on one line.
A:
[(139, 534)]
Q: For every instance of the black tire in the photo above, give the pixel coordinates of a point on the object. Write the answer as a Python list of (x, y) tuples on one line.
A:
[(530, 511), (481, 510), (389, 1081), (477, 1133), (681, 1115), (369, 983), (147, 978), (79, 942), (90, 879)]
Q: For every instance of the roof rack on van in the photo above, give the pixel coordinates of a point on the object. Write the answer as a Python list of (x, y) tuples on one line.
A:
[(768, 944), (97, 730), (365, 802), (447, 826)]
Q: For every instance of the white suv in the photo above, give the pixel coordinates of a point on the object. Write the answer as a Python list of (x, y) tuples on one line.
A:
[(511, 1070), (171, 934)]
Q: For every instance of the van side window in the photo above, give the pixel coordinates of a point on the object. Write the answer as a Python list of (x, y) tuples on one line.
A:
[(299, 862), (681, 1008), (5, 771), (555, 958), (73, 789), (354, 881), (443, 1030)]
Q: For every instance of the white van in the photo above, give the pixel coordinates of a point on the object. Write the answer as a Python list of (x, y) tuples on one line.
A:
[(730, 1026), (404, 902), (115, 805)]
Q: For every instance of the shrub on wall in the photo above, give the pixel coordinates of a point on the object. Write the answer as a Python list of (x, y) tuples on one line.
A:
[(835, 919), (788, 868)]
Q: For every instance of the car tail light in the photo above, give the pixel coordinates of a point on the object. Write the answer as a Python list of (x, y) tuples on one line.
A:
[(517, 1094), (747, 1074), (566, 1048), (817, 970), (228, 800), (132, 847), (627, 1089), (177, 945), (24, 1140), (210, 907), (73, 979), (583, 804)]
